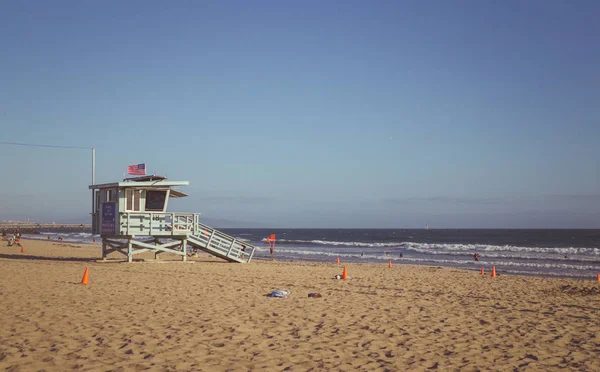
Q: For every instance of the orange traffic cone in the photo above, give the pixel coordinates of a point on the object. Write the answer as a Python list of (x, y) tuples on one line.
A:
[(345, 274), (337, 261), (84, 280), (22, 249), (390, 264), (493, 271), (482, 272), (598, 277)]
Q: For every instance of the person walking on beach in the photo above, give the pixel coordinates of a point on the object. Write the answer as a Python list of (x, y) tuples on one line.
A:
[(271, 240)]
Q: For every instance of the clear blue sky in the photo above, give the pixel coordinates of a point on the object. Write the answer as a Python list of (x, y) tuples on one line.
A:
[(312, 113)]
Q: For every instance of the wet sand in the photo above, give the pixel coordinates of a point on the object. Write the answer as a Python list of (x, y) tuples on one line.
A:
[(214, 316)]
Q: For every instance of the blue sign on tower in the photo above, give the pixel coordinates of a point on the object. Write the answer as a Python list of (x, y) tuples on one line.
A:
[(109, 218)]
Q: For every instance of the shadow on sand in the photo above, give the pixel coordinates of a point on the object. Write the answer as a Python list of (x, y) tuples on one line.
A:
[(44, 258), (19, 256)]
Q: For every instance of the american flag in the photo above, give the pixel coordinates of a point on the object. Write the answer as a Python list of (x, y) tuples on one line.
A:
[(137, 169)]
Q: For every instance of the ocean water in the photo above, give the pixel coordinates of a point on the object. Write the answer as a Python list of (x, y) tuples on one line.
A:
[(556, 253)]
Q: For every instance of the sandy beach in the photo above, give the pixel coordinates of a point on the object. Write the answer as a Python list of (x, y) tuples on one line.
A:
[(214, 316)]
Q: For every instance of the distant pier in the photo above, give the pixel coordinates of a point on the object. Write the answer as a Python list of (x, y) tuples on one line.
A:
[(36, 228)]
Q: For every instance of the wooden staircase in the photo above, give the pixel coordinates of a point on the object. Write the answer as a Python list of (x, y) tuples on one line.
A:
[(221, 245)]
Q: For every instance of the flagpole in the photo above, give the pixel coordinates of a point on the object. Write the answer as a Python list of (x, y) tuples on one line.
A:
[(93, 179)]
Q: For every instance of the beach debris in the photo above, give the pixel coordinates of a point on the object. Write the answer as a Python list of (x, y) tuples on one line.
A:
[(337, 261), (493, 271), (344, 275), (482, 273), (279, 293), (315, 295), (84, 280)]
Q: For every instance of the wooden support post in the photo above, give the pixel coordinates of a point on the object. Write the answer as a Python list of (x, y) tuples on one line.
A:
[(103, 250), (157, 253), (173, 223), (129, 251), (184, 245)]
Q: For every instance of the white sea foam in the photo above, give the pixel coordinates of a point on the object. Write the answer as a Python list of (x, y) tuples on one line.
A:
[(348, 244), (436, 248), (557, 254), (444, 261), (72, 237), (428, 248)]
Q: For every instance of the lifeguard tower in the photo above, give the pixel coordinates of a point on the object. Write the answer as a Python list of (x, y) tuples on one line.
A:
[(131, 217)]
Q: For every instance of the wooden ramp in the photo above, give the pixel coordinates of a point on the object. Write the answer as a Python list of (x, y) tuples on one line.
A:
[(221, 245)]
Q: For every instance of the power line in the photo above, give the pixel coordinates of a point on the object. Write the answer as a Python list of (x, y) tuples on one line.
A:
[(64, 147), (39, 145)]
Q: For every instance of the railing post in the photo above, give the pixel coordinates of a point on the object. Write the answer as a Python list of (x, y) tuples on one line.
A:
[(210, 238), (173, 223), (251, 254), (151, 218), (230, 248), (128, 218)]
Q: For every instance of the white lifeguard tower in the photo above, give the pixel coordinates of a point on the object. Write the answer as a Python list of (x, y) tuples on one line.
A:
[(131, 217)]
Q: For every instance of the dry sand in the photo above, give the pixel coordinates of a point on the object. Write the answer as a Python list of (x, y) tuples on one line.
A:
[(214, 316)]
